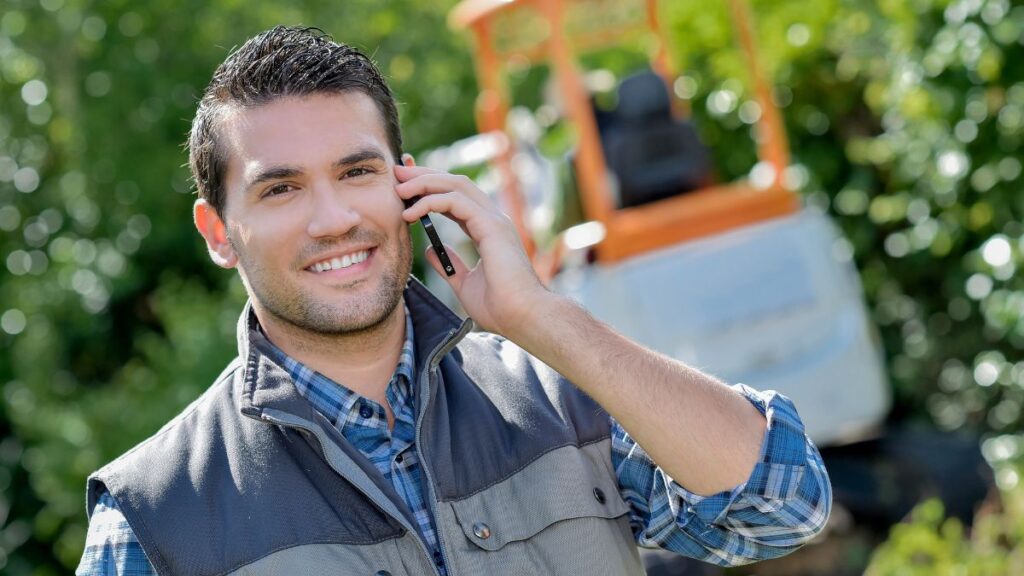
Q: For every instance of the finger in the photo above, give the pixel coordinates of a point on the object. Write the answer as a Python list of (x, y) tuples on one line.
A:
[(477, 222), (461, 270), (411, 170), (409, 162), (451, 204), (439, 183)]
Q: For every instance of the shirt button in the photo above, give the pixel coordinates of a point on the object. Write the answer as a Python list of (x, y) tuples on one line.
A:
[(599, 495), (399, 458), (365, 411), (438, 559)]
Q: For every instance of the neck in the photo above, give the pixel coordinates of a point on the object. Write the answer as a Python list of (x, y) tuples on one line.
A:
[(363, 361)]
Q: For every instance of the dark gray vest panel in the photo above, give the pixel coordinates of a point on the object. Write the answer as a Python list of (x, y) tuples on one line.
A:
[(498, 410)]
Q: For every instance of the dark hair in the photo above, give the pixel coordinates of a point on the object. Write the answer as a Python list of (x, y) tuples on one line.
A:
[(282, 61)]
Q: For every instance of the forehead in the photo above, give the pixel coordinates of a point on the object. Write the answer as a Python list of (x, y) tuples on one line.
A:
[(300, 131)]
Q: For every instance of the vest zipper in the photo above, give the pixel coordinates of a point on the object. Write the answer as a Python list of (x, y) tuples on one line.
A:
[(299, 424), (430, 487), (426, 381)]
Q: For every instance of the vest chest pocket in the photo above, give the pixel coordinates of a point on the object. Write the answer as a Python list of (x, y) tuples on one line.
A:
[(560, 514)]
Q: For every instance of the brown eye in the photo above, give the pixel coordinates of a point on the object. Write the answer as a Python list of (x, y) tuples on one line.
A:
[(359, 171), (277, 190)]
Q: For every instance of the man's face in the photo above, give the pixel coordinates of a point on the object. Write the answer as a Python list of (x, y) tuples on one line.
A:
[(311, 216)]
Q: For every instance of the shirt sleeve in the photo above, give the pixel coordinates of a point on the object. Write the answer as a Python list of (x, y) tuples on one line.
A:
[(782, 505), (111, 548)]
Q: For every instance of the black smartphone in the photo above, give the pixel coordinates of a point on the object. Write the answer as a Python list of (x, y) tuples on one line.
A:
[(435, 240)]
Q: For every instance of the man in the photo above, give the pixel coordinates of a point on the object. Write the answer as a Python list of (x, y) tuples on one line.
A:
[(527, 450)]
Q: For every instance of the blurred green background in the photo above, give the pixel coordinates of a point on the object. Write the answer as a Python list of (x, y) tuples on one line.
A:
[(905, 118)]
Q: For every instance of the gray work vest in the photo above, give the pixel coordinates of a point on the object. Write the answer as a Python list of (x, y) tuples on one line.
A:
[(250, 479)]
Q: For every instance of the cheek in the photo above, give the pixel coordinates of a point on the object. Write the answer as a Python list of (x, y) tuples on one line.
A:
[(383, 207), (250, 238), (263, 239), (391, 200), (389, 218), (243, 235)]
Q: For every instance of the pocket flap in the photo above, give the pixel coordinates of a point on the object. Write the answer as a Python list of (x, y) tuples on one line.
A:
[(566, 483)]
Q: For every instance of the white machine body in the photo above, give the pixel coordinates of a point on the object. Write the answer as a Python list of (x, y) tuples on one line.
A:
[(776, 306)]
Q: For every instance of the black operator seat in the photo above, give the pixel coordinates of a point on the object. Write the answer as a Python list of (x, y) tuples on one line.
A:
[(653, 154)]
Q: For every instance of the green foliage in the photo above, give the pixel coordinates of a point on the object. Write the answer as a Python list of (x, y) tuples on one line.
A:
[(904, 116), (930, 544)]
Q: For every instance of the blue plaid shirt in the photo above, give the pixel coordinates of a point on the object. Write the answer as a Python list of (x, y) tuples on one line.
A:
[(784, 503)]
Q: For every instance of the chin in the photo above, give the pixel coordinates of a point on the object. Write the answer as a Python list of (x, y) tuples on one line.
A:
[(353, 324), (346, 317)]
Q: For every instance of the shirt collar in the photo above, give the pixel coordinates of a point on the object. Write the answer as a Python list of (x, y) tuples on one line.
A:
[(265, 385), (333, 399)]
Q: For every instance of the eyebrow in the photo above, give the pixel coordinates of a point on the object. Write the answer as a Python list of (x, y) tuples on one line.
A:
[(282, 172)]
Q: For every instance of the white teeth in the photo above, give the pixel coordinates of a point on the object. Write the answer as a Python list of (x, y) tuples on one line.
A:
[(343, 262)]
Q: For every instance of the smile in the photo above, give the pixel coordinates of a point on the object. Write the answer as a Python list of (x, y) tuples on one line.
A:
[(337, 263)]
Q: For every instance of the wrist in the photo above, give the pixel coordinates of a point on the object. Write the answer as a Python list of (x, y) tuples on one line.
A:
[(534, 316)]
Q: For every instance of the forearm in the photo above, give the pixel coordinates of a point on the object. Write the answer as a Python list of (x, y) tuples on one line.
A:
[(702, 433)]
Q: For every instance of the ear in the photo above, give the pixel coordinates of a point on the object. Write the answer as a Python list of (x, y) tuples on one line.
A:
[(212, 228)]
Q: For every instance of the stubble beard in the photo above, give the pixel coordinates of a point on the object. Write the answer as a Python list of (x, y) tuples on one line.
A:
[(349, 316)]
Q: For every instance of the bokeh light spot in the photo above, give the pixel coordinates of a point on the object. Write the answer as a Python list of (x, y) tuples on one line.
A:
[(798, 35), (750, 112), (13, 23), (685, 87), (986, 373), (978, 286), (130, 24), (13, 321), (996, 251), (26, 180), (94, 28), (19, 262), (952, 164), (722, 102), (10, 218), (851, 201), (97, 84), (34, 92)]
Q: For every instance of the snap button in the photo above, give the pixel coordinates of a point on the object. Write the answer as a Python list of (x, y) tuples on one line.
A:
[(382, 573), (365, 411), (599, 494), (481, 531)]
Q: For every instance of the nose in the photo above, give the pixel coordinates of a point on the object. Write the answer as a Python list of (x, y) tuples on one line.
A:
[(330, 213)]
